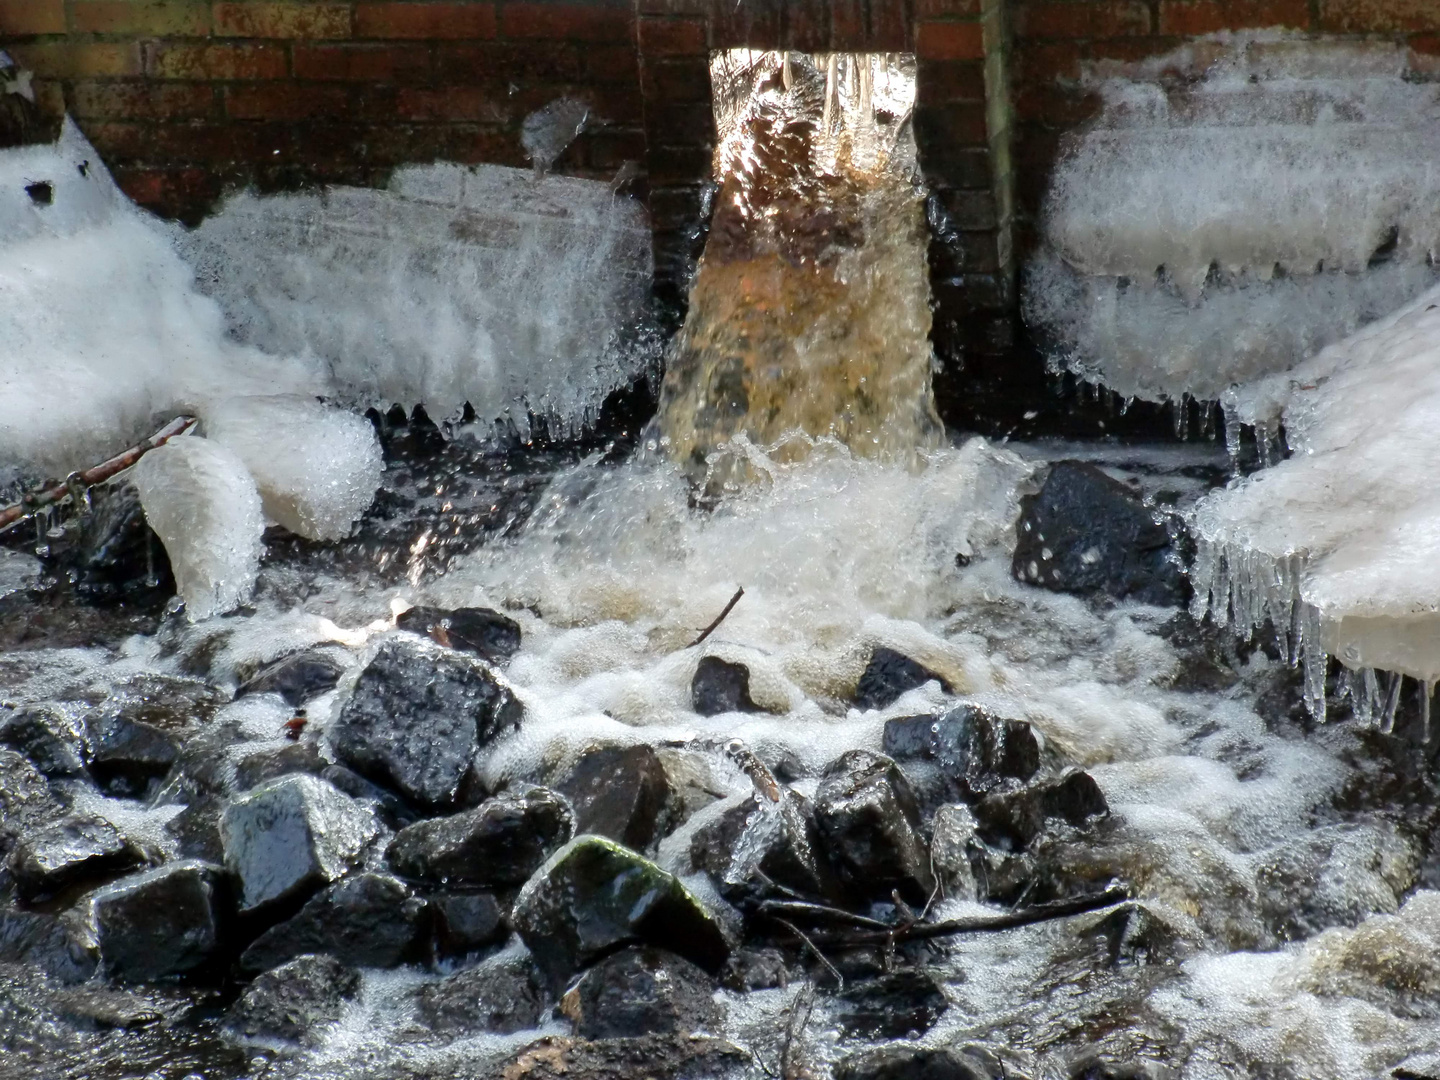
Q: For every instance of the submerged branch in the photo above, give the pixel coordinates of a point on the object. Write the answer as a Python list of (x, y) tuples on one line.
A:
[(76, 483)]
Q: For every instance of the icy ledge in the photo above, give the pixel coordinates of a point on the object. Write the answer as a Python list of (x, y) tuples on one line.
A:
[(1339, 546)]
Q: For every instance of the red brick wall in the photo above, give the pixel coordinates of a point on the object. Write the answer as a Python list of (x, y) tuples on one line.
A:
[(186, 97)]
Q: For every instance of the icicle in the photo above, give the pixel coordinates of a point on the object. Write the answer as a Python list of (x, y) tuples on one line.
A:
[(1363, 695), (1392, 702), (1232, 441), (1427, 691), (1316, 662)]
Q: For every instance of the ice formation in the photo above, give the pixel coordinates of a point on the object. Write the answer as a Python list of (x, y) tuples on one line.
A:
[(1216, 222), (316, 468), (484, 285), (202, 503)]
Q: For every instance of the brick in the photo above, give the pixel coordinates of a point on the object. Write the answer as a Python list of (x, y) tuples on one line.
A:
[(141, 17), (956, 125), (142, 101), (1088, 19), (942, 81), (286, 101), (76, 60), (1424, 59), (1379, 16), (566, 22), (679, 124), (171, 192), (671, 165), (612, 63), (676, 80), (503, 61), (949, 41), (49, 97), (219, 144), (967, 209), (454, 103), (1046, 61), (849, 28), (755, 23), (946, 9), (466, 143), (426, 21), (1191, 18), (889, 27), (363, 63), (21, 18), (167, 60), (956, 167), (673, 7), (608, 149), (672, 37), (807, 25), (257, 20)]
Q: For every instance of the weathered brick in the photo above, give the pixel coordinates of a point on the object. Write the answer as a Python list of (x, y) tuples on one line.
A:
[(612, 63), (216, 144), (49, 97), (807, 25), (572, 22), (1045, 61), (169, 60), (472, 103), (676, 80), (946, 9), (20, 18), (672, 37), (673, 7), (967, 209), (286, 101), (1082, 19), (956, 167), (363, 63), (502, 62), (142, 101), (1379, 16), (77, 60), (1424, 59), (170, 192), (609, 148), (949, 41), (1192, 18), (141, 17), (889, 28), (757, 24), (425, 21), (281, 20), (941, 81), (671, 165), (958, 125)]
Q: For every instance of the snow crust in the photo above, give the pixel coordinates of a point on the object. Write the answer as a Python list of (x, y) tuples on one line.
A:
[(1219, 219)]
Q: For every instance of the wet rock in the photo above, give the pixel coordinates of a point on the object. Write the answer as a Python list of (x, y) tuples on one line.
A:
[(892, 1006), (962, 754), (368, 920), (300, 676), (466, 922), (168, 702), (1086, 533), (271, 764), (1010, 820), (692, 781), (25, 797), (952, 836), (48, 737), (417, 717), (76, 848), (720, 687), (750, 840), (290, 836), (1004, 877), (102, 1008), (482, 631), (1095, 1066), (1138, 933), (391, 809), (923, 1063), (127, 756), (500, 842), (870, 823), (641, 991), (620, 792), (111, 555), (294, 1003), (594, 895), (756, 969), (501, 995), (654, 1057), (159, 923), (890, 674), (43, 940), (196, 830)]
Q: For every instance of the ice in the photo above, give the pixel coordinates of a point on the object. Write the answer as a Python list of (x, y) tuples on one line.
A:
[(1214, 224), (316, 468), (202, 503), (484, 285), (548, 130)]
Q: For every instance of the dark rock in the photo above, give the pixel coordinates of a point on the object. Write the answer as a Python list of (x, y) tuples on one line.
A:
[(196, 830), (76, 848), (126, 756), (465, 922), (43, 940), (300, 676), (963, 753), (750, 840), (25, 797), (870, 823), (641, 991), (620, 792), (290, 836), (104, 1008), (1086, 533), (295, 1002), (755, 969), (1135, 933), (921, 1063), (501, 995), (168, 702), (301, 757), (111, 555), (1003, 877), (654, 1057), (54, 743), (891, 1006), (952, 838), (594, 895), (159, 923), (368, 920), (720, 687), (500, 842), (1096, 1066), (890, 674), (1010, 820), (482, 631), (394, 811), (417, 717)]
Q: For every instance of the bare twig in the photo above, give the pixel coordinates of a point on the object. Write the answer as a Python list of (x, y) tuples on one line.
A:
[(805, 940), (803, 909), (760, 774), (792, 1064), (718, 619), (78, 481)]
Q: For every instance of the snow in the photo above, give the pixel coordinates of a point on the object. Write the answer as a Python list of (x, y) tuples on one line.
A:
[(1213, 225)]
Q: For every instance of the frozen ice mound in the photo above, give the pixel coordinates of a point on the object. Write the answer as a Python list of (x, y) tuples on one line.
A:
[(1339, 546), (317, 468), (1237, 205), (459, 284), (202, 503)]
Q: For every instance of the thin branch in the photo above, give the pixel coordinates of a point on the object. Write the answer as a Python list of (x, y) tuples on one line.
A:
[(751, 765), (719, 619), (791, 1066), (839, 979), (77, 482), (803, 909)]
